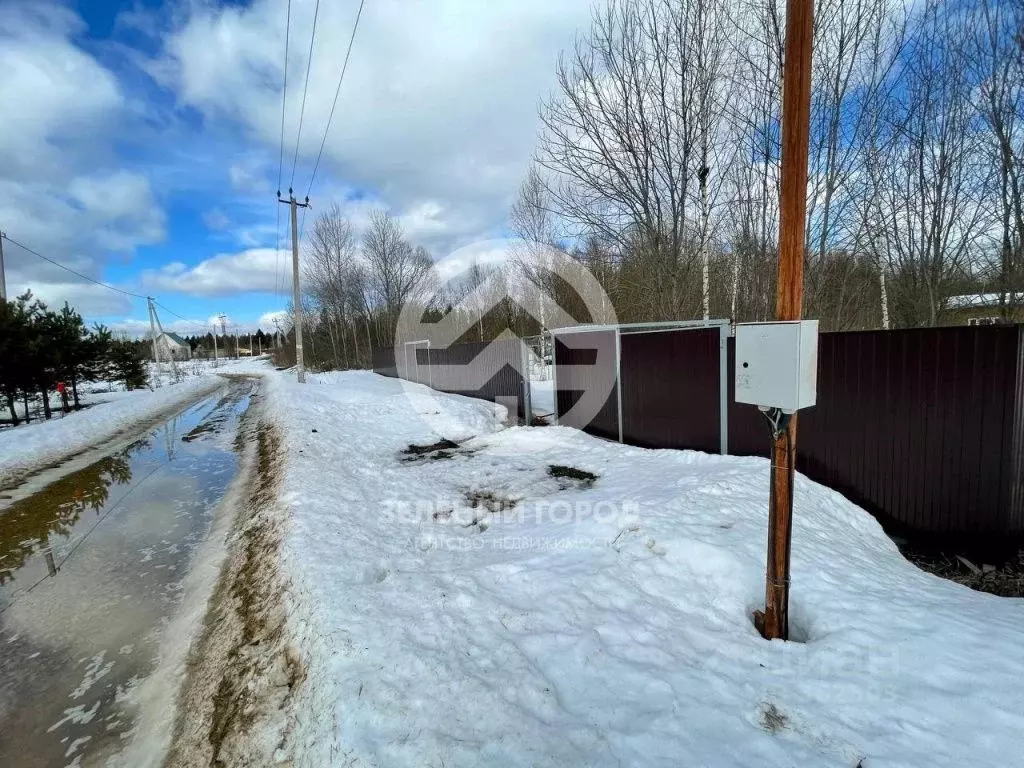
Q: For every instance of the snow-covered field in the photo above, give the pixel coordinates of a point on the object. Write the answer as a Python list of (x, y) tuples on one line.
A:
[(606, 624)]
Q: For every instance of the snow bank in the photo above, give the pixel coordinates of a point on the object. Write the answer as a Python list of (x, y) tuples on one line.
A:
[(607, 625), (28, 447)]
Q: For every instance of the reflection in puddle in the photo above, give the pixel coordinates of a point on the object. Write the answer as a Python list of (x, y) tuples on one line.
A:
[(91, 567), (27, 526)]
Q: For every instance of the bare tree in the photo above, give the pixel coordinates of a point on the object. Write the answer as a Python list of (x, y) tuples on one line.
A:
[(626, 145), (997, 51), (394, 266), (930, 187), (330, 261)]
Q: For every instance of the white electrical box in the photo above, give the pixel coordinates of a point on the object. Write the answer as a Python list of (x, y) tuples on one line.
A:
[(777, 364)]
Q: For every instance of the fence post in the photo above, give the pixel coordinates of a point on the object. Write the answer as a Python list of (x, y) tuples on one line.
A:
[(618, 376), (723, 395), (524, 362), (554, 378)]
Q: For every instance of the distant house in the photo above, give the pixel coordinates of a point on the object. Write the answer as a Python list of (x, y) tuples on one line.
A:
[(985, 309), (171, 345)]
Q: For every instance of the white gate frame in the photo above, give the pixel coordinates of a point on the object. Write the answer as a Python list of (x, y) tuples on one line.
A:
[(405, 354), (724, 331)]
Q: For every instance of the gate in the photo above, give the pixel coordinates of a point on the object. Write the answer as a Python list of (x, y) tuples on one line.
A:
[(646, 403)]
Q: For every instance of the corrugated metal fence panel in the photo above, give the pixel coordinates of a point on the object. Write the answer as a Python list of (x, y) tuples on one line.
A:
[(748, 434), (384, 362), (915, 425), (580, 351), (504, 357), (671, 389), (1016, 470), (428, 366)]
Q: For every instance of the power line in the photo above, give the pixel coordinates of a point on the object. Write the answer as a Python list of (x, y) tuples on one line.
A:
[(277, 257), (193, 323), (69, 269), (337, 92), (284, 92), (97, 282), (305, 87), (280, 158)]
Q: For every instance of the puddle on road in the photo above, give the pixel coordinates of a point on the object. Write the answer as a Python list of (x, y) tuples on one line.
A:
[(91, 567)]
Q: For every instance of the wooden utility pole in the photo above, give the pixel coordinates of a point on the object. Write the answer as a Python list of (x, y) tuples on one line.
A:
[(796, 115), (296, 294)]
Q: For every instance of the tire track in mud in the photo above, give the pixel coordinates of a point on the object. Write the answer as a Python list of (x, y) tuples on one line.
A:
[(243, 672)]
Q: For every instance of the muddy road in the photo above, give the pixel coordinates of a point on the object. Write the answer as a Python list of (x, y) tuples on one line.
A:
[(104, 579)]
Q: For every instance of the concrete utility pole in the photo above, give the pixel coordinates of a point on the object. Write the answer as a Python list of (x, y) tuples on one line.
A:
[(160, 330), (223, 332), (3, 275), (152, 335), (796, 114), (296, 294), (214, 345)]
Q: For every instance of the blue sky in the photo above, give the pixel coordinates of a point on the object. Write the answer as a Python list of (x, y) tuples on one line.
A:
[(141, 139)]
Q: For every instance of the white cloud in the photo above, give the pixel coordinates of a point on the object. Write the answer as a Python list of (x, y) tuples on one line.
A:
[(89, 299), (437, 114), (63, 191), (271, 321), (216, 220), (221, 275), (248, 178)]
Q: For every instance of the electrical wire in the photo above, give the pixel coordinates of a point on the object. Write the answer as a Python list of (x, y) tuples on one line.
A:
[(98, 282), (305, 88), (280, 158), (277, 253), (284, 94), (69, 269), (337, 92), (193, 323)]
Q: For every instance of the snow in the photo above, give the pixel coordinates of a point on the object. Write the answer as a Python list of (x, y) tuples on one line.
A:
[(606, 625), (542, 398), (111, 410), (969, 300), (28, 447)]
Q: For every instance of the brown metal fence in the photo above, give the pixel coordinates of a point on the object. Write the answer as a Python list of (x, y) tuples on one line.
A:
[(651, 394), (576, 372), (496, 374), (922, 427), (384, 362)]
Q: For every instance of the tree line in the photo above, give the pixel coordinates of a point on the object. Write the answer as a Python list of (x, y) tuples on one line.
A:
[(658, 165), (205, 345), (354, 288), (659, 158), (40, 347)]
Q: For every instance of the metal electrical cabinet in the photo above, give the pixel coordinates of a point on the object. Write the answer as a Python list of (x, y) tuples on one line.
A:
[(777, 364)]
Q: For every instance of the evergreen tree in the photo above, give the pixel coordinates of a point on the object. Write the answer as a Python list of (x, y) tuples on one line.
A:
[(127, 363)]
